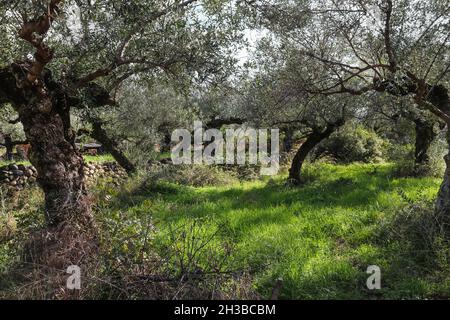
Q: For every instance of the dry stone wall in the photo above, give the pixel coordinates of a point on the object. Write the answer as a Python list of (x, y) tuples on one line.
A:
[(18, 176)]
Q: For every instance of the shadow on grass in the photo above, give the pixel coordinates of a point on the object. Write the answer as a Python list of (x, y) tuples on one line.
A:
[(319, 237), (355, 192)]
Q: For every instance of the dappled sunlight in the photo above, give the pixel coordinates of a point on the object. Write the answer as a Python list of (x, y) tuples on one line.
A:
[(318, 237)]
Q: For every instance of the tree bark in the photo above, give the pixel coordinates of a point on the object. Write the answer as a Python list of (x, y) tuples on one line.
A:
[(166, 137), (45, 117), (439, 97), (59, 166), (311, 142), (443, 199), (111, 146), (425, 135), (288, 142), (436, 99)]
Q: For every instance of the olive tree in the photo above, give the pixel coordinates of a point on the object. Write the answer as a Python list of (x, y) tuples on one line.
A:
[(76, 54), (271, 99), (395, 47)]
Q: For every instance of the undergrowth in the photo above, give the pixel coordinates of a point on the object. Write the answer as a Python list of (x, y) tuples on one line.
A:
[(162, 238)]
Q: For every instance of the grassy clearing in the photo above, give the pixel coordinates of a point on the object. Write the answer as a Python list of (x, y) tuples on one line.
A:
[(319, 238)]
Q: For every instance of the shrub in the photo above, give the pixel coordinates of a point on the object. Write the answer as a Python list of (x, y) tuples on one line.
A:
[(399, 152), (243, 172), (408, 168), (196, 176), (135, 260), (439, 148), (418, 228), (182, 261), (353, 144), (405, 166)]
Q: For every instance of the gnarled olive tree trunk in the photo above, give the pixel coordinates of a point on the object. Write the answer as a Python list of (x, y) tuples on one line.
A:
[(443, 199), (100, 134), (311, 142), (425, 135), (45, 116), (288, 141), (58, 163), (439, 97)]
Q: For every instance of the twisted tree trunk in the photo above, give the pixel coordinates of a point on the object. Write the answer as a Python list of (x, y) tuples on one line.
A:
[(436, 99), (425, 135), (45, 117), (439, 97), (71, 236), (44, 111), (288, 142), (443, 199), (58, 163), (311, 142), (111, 146)]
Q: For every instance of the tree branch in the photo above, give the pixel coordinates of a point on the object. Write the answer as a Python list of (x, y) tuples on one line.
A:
[(110, 145), (119, 58), (34, 32), (387, 36)]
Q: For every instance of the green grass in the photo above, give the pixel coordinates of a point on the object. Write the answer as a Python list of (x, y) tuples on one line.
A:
[(319, 238), (5, 163), (95, 159), (99, 158)]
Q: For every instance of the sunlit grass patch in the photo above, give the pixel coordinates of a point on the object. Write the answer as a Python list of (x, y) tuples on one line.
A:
[(319, 238)]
